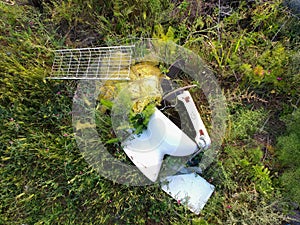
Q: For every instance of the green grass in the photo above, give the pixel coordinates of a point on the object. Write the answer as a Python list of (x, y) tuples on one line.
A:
[(253, 51)]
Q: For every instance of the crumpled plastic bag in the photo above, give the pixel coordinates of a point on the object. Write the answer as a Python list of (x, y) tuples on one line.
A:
[(143, 86), (142, 92)]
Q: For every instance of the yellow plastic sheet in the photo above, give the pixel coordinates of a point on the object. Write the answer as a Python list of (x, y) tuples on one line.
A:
[(144, 86)]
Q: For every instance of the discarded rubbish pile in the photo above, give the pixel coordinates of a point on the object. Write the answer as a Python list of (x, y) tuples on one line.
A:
[(133, 91)]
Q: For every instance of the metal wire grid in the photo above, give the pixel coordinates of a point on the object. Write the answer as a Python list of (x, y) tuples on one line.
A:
[(103, 63)]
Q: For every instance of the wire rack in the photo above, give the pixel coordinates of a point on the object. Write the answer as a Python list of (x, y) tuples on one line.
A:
[(102, 63)]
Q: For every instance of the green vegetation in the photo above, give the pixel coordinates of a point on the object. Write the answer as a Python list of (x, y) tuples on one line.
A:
[(289, 157), (140, 120), (252, 48)]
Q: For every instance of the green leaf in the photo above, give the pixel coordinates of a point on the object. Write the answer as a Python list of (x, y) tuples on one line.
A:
[(107, 103)]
